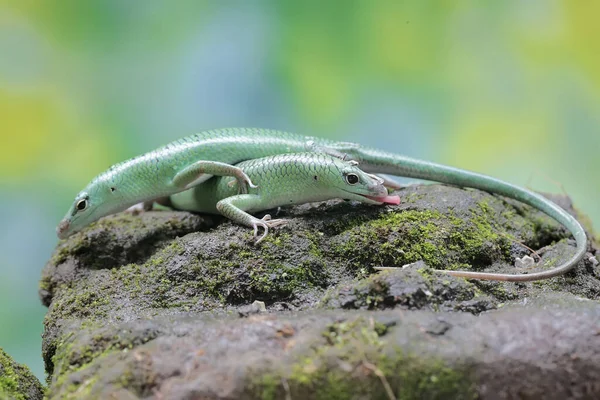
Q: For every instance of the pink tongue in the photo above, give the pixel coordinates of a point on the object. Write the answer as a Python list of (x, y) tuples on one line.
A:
[(387, 199), (391, 199)]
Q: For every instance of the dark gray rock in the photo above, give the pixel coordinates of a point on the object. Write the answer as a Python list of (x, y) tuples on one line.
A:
[(159, 305)]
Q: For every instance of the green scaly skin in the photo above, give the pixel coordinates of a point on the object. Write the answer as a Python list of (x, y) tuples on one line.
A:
[(281, 180), (192, 160)]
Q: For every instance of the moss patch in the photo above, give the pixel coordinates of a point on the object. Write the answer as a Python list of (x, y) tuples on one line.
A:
[(16, 381), (442, 241), (409, 289), (354, 361), (77, 357)]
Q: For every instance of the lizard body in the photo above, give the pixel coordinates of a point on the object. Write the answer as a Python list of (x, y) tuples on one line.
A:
[(174, 168), (281, 180), (190, 161)]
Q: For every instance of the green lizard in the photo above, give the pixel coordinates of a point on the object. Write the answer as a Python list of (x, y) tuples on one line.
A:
[(284, 179), (190, 161)]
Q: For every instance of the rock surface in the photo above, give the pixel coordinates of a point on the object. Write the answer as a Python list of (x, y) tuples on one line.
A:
[(17, 382), (167, 305)]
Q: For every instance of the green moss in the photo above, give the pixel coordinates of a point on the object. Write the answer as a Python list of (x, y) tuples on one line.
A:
[(130, 275), (545, 229), (244, 276), (315, 240), (245, 254), (76, 355), (270, 279), (15, 380), (84, 302), (45, 283), (479, 239), (277, 238), (509, 214), (441, 241), (277, 277), (413, 197), (76, 391), (9, 383), (354, 361), (234, 275), (413, 289), (497, 289), (67, 248), (396, 238), (128, 224), (149, 279), (426, 273)]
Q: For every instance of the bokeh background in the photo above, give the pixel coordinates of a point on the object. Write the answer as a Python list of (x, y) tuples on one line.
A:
[(510, 89)]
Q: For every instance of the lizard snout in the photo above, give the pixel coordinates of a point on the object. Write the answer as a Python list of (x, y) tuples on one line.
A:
[(62, 228)]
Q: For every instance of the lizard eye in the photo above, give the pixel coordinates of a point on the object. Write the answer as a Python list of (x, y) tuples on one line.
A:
[(352, 179), (81, 204)]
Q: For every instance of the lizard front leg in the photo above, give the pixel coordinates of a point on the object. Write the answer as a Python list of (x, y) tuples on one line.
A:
[(233, 208), (389, 183), (200, 171)]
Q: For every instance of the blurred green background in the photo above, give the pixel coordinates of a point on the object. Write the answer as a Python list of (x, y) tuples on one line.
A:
[(510, 89)]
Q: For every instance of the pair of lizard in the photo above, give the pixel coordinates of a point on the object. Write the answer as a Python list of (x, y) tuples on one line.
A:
[(272, 168)]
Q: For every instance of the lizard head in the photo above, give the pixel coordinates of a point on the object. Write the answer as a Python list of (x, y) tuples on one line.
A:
[(354, 184), (97, 200)]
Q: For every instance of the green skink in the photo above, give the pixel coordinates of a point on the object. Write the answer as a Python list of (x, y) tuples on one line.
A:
[(281, 180), (190, 161)]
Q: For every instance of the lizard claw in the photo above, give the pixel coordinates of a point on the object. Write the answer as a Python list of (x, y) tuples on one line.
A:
[(244, 182), (274, 222), (266, 222)]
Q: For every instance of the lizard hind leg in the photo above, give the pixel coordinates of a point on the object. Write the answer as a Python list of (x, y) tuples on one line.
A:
[(234, 208), (200, 171)]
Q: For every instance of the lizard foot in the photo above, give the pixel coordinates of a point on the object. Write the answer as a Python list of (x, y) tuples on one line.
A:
[(138, 208), (244, 182), (266, 222)]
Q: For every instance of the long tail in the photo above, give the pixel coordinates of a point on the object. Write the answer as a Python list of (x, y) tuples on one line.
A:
[(373, 160)]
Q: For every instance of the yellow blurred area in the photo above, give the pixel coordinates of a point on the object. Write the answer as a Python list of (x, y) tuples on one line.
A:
[(492, 140), (582, 34), (328, 52), (42, 139), (327, 87), (398, 45), (25, 121)]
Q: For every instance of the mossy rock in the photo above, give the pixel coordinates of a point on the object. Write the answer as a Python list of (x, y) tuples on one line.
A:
[(17, 382), (136, 301)]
